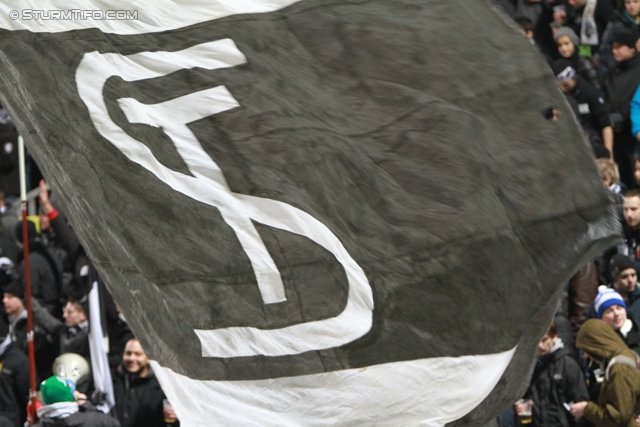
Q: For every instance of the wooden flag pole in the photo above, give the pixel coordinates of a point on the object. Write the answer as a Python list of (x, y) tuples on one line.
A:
[(27, 275)]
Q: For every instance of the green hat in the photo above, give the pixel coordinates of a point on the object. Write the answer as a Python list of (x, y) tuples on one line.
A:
[(56, 389)]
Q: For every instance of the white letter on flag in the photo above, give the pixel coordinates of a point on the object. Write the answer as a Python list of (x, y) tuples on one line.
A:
[(208, 185)]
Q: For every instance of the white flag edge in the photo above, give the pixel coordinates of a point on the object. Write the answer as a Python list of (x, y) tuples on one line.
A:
[(426, 392)]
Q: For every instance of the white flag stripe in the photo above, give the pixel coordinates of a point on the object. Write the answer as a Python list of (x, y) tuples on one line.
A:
[(99, 360), (425, 392), (152, 15)]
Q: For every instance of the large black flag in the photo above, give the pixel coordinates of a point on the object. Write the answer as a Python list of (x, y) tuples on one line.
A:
[(313, 213)]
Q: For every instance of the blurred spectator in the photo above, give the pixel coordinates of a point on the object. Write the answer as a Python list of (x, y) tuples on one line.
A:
[(139, 398), (617, 401), (568, 46), (592, 111), (528, 30), (627, 19), (76, 336), (620, 87), (60, 408), (588, 19), (44, 325), (45, 276), (14, 382), (557, 379), (612, 310), (611, 176), (631, 225)]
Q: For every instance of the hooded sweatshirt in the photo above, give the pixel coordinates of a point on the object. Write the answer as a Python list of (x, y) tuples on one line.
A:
[(618, 400)]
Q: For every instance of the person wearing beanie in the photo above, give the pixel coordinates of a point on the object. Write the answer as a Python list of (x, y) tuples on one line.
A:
[(624, 279), (61, 409), (617, 401), (620, 88), (626, 19), (568, 43), (612, 310), (590, 107)]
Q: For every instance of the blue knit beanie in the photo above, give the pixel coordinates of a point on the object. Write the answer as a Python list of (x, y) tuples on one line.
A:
[(606, 298)]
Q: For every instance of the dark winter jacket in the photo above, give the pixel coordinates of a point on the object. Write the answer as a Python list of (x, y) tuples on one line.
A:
[(593, 112), (76, 340), (557, 379), (47, 342), (45, 276), (620, 86), (14, 385), (585, 68), (138, 400), (618, 402)]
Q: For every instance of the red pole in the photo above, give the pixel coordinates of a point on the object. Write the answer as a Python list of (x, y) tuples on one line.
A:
[(30, 333), (27, 279)]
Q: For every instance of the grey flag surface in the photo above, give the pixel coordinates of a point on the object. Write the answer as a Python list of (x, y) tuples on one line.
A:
[(412, 130)]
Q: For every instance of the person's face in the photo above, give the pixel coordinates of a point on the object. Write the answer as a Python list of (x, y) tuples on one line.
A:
[(44, 222), (566, 46), (636, 172), (567, 86), (622, 52), (12, 304), (546, 345), (615, 316), (631, 211), (73, 315), (633, 7), (135, 360), (626, 281)]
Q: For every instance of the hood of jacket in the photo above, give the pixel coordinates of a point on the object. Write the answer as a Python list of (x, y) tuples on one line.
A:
[(599, 340)]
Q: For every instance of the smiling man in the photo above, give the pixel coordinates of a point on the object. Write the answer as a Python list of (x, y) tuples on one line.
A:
[(139, 398)]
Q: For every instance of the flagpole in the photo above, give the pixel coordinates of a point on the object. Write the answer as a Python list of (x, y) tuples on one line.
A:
[(27, 274)]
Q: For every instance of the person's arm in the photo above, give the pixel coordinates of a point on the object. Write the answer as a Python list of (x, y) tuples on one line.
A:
[(621, 402), (607, 139), (600, 114), (44, 319), (64, 233)]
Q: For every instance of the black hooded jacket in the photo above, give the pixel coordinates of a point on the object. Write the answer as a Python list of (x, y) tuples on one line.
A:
[(138, 400), (14, 384), (557, 379)]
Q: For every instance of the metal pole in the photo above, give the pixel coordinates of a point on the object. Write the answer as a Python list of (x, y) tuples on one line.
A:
[(27, 274)]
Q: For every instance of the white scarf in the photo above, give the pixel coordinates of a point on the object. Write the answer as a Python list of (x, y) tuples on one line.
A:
[(588, 28), (58, 410)]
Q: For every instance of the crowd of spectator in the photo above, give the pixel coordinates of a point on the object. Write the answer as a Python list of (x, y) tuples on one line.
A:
[(61, 277), (586, 371)]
